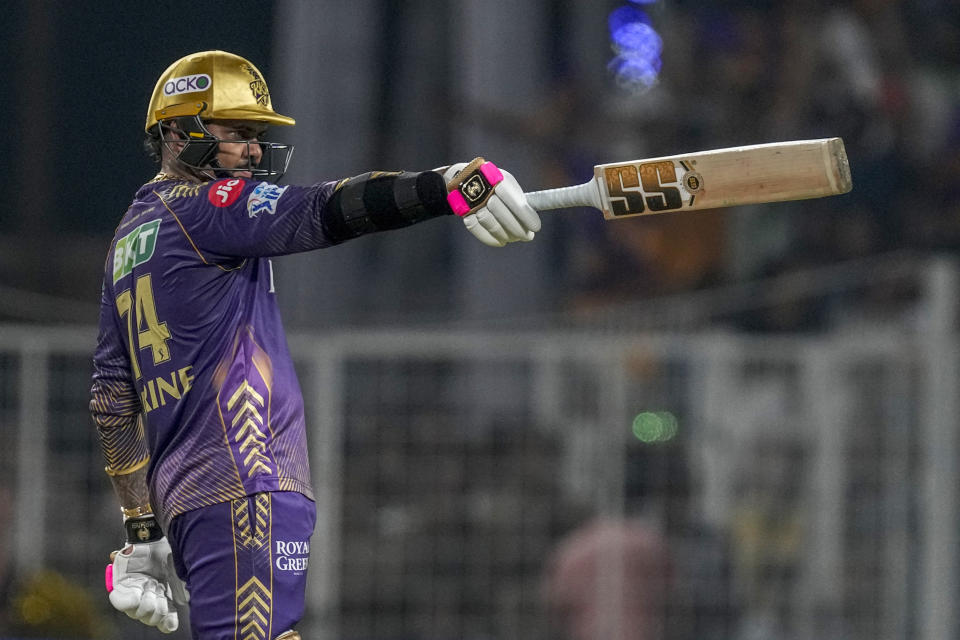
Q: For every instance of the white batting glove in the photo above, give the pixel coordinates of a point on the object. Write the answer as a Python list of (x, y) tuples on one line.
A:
[(491, 203), (143, 584)]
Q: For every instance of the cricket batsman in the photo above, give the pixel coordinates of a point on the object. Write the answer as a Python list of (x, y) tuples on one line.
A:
[(195, 399)]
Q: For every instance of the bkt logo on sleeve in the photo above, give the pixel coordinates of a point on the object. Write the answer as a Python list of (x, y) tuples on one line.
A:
[(186, 84), (263, 199), (135, 248)]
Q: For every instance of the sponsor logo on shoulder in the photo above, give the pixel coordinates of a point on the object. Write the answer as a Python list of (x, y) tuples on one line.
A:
[(263, 199), (224, 193), (186, 84), (135, 248)]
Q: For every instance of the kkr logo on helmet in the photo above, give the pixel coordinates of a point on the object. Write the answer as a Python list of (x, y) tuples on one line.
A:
[(258, 87), (186, 84)]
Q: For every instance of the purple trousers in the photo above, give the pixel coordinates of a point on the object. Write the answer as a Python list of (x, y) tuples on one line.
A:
[(245, 564)]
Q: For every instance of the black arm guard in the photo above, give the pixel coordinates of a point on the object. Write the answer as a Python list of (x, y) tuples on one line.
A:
[(379, 201)]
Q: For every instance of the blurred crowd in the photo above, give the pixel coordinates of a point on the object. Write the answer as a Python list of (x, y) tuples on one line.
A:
[(882, 74)]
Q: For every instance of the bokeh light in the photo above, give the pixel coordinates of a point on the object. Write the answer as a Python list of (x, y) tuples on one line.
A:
[(655, 426), (623, 16), (638, 40), (634, 73), (638, 48)]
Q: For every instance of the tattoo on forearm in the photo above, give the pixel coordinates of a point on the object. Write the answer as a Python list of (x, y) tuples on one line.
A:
[(131, 489)]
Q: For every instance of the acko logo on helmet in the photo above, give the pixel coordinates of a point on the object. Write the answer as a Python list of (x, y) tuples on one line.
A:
[(186, 84)]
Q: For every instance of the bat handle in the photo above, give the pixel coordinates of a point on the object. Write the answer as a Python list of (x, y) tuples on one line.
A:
[(581, 195)]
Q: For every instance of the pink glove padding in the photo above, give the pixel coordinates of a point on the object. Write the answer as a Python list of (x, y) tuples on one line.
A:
[(506, 216), (456, 200)]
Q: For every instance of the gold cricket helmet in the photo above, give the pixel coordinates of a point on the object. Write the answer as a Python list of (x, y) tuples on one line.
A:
[(213, 85)]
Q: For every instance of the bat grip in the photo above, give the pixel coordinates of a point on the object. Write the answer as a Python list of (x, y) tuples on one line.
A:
[(581, 195)]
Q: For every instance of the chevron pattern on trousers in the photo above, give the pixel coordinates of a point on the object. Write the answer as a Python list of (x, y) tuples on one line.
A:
[(256, 534), (242, 532), (253, 611)]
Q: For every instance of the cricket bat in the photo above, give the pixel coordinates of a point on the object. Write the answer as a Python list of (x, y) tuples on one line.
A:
[(772, 172)]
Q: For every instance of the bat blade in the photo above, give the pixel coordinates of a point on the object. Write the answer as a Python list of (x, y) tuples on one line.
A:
[(773, 172)]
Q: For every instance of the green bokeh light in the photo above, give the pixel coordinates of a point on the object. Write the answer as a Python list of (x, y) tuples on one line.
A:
[(655, 426)]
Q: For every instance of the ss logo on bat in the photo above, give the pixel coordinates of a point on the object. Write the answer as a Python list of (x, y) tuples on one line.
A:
[(635, 188)]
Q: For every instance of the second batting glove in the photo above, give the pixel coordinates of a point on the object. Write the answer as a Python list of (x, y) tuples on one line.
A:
[(142, 582)]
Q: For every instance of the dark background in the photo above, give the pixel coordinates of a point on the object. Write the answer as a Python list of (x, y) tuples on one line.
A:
[(79, 77)]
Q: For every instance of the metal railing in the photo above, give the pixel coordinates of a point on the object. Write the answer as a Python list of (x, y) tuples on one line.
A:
[(801, 486)]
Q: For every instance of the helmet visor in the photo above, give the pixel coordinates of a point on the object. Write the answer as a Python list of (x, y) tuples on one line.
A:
[(273, 163), (201, 151)]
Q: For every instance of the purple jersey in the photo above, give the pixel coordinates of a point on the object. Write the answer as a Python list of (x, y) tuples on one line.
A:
[(192, 374)]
